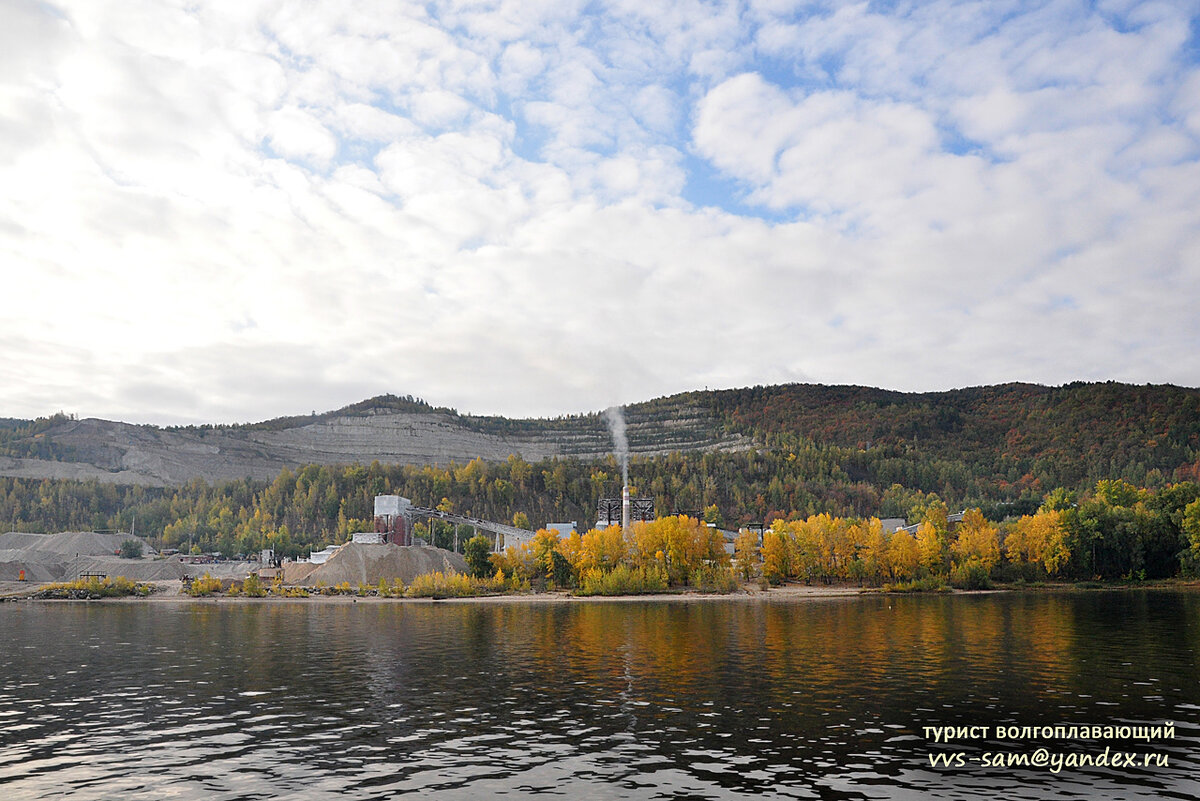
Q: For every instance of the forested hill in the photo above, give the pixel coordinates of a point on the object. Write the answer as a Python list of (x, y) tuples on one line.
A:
[(737, 455), (985, 442), (1024, 435)]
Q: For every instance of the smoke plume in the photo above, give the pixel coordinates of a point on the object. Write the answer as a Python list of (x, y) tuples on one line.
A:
[(615, 416)]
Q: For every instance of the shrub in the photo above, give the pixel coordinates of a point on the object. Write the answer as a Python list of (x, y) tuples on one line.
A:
[(252, 587), (131, 549), (205, 585), (395, 589), (715, 579), (493, 585), (441, 585), (930, 584), (95, 588), (561, 571), (624, 580), (972, 575)]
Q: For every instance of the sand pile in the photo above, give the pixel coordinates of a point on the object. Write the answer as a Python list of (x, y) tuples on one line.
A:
[(296, 572), (362, 563)]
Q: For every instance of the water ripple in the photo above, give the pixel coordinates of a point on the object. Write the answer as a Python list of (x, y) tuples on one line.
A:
[(808, 700)]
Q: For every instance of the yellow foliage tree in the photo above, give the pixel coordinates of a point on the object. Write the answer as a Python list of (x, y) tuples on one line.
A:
[(746, 553), (904, 556), (871, 543), (685, 544), (545, 542), (1039, 539), (977, 539), (931, 547), (777, 555), (601, 549)]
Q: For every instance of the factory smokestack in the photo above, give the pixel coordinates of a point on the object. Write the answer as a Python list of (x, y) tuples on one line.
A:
[(625, 508)]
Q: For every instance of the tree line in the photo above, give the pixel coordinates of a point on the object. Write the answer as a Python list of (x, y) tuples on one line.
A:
[(1111, 529), (1115, 531)]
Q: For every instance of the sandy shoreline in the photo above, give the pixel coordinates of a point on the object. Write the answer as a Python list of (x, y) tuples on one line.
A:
[(170, 592)]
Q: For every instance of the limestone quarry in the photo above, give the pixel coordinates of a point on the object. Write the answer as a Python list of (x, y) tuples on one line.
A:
[(121, 453)]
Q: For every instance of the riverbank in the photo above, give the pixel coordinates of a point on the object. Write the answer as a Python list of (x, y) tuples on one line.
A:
[(172, 592)]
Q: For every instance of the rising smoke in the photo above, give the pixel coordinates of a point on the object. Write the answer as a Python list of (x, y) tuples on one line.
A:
[(615, 416)]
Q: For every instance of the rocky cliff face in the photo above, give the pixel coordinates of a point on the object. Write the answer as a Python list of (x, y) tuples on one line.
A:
[(128, 454)]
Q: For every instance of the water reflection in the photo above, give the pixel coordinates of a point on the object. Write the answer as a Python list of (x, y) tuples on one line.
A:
[(814, 699)]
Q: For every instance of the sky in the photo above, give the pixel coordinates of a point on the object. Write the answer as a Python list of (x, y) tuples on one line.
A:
[(231, 211)]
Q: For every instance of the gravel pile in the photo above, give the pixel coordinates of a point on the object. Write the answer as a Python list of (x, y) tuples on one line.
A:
[(134, 569), (362, 563), (64, 556), (71, 543), (36, 572)]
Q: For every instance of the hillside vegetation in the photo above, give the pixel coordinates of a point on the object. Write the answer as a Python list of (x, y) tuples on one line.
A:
[(736, 456)]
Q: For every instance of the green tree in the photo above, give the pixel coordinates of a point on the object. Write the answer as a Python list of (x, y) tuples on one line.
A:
[(131, 549), (1191, 536), (478, 553), (562, 573)]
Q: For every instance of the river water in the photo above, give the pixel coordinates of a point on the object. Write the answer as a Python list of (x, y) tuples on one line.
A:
[(642, 700)]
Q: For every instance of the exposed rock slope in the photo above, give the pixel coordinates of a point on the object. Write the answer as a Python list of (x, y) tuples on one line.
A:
[(130, 454)]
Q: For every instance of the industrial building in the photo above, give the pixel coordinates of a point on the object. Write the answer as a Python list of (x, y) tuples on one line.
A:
[(393, 519), (623, 511)]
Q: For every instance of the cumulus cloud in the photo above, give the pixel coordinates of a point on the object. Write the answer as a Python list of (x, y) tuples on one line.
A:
[(230, 212)]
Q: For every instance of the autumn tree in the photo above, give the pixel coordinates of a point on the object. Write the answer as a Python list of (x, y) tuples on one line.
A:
[(904, 556), (777, 555), (746, 553), (1039, 540), (976, 540)]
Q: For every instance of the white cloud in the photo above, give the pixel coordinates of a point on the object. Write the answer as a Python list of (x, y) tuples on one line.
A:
[(829, 151), (487, 203), (297, 134)]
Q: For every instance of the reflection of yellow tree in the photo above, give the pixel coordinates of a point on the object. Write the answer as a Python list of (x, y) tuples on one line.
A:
[(650, 651)]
